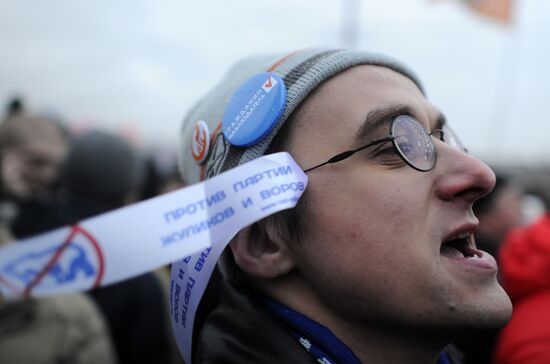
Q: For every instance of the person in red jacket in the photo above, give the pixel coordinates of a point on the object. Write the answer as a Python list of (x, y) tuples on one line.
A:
[(525, 272)]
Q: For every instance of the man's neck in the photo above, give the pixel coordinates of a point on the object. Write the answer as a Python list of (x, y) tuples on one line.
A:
[(390, 346), (370, 344)]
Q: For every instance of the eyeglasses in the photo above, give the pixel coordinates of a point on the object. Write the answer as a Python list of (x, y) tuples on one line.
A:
[(413, 143)]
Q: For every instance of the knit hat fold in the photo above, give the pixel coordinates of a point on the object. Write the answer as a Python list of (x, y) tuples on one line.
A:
[(302, 71)]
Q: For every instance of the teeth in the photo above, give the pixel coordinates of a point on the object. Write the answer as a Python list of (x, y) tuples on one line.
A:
[(460, 236)]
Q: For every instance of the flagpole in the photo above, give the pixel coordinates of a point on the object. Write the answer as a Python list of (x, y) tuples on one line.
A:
[(505, 94), (349, 28)]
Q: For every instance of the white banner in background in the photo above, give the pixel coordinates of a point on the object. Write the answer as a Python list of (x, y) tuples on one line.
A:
[(194, 221)]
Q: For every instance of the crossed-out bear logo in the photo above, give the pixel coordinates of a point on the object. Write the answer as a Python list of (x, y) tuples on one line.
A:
[(73, 263)]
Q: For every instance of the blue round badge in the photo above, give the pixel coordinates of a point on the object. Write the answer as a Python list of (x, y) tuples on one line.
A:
[(254, 109)]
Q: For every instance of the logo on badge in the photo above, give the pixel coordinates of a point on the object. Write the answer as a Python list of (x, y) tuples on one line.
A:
[(201, 141), (269, 84)]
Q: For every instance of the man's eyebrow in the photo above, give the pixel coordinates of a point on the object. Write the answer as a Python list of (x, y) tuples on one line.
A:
[(385, 115), (380, 117)]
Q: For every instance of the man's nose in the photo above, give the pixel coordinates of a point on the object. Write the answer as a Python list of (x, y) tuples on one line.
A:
[(462, 177)]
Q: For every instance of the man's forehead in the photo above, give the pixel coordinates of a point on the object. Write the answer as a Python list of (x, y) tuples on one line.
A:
[(366, 86), (365, 98)]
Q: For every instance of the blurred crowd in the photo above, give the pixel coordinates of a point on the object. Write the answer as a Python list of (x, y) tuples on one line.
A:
[(50, 177)]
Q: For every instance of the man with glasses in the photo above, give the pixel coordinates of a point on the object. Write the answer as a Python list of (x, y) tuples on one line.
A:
[(377, 263)]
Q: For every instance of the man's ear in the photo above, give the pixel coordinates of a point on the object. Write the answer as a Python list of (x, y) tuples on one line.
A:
[(260, 251)]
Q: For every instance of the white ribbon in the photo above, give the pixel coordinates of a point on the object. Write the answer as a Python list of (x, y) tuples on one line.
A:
[(132, 240), (191, 226)]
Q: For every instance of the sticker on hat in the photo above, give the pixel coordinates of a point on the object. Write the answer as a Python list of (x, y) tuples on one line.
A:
[(201, 141), (254, 109)]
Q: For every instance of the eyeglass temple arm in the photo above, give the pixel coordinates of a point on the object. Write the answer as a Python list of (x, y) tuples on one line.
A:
[(349, 153), (336, 158)]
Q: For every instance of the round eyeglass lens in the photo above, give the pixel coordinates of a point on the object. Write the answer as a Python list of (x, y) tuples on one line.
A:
[(413, 143)]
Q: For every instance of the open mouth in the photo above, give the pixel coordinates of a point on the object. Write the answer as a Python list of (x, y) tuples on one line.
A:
[(460, 246)]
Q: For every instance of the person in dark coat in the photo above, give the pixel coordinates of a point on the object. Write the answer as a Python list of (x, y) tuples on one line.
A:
[(102, 173)]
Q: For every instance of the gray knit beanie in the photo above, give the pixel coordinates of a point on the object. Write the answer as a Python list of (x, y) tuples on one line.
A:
[(302, 71)]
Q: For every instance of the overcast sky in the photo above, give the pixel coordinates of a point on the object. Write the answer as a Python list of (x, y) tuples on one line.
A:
[(124, 62)]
